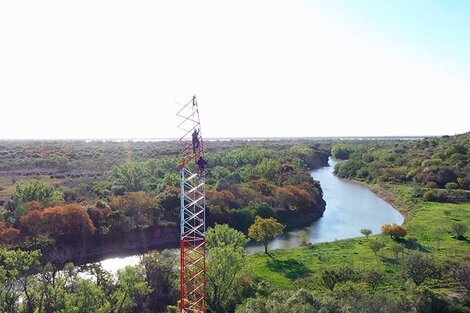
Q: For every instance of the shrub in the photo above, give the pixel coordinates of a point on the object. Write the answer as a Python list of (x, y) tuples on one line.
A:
[(434, 196), (452, 185), (460, 229)]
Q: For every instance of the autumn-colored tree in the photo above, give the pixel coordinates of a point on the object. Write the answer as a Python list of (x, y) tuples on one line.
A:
[(394, 231), (63, 223), (8, 235), (294, 196), (141, 207), (34, 205), (265, 229), (223, 199), (98, 215), (284, 197), (302, 199), (262, 185)]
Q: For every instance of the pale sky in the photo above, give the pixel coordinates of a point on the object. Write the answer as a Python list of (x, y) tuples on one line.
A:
[(116, 69)]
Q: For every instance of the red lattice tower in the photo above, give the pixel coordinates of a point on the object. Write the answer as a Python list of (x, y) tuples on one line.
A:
[(193, 213)]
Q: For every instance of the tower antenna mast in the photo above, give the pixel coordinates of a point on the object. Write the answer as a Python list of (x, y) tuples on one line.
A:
[(193, 212)]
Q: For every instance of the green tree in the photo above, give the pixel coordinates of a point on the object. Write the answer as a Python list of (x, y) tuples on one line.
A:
[(341, 152), (130, 176), (225, 268), (267, 168), (264, 230), (15, 271), (366, 232), (86, 297), (376, 245), (396, 248), (224, 236), (132, 289), (25, 191), (162, 277)]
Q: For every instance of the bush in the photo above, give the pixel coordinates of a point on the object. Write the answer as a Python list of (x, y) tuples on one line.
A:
[(434, 196), (460, 229), (341, 152), (452, 185)]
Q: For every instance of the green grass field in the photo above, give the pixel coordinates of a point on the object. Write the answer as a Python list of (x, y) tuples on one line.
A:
[(431, 223)]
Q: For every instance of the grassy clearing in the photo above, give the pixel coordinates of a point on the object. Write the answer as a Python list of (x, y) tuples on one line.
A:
[(431, 223)]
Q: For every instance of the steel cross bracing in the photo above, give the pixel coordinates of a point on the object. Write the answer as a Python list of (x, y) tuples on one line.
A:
[(193, 215)]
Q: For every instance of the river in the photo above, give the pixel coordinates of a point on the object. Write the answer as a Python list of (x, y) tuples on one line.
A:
[(349, 208)]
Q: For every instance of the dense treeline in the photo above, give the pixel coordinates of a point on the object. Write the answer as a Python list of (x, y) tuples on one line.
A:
[(140, 199), (28, 286), (440, 167), (72, 159), (404, 283)]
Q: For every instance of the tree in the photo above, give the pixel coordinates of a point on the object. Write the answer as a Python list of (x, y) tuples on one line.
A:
[(132, 290), (15, 272), (461, 273), (267, 168), (394, 231), (460, 229), (25, 191), (130, 176), (341, 152), (419, 267), (64, 223), (303, 238), (8, 235), (366, 232), (224, 236), (265, 229), (141, 207), (376, 245), (374, 277), (225, 267), (161, 276), (396, 248)]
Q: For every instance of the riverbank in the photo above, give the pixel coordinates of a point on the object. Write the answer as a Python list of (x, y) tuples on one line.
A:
[(429, 223), (104, 247)]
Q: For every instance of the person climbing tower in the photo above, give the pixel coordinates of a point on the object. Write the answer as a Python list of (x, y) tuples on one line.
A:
[(195, 140), (201, 166)]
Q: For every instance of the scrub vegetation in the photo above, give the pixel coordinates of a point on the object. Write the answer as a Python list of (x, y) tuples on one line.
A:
[(420, 266)]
